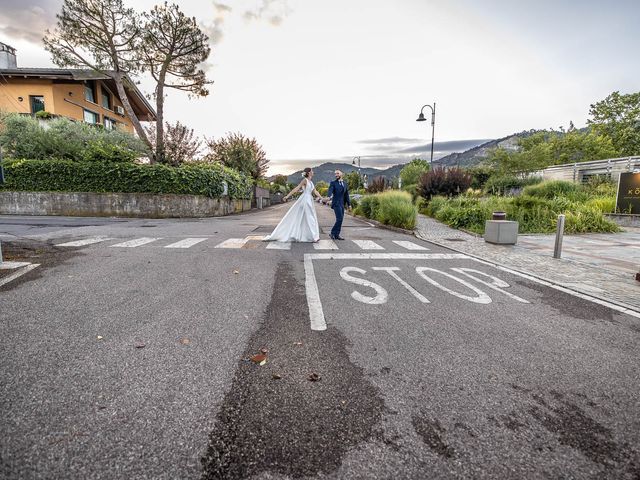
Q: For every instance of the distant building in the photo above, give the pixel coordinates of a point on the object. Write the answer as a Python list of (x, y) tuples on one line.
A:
[(81, 95), (582, 171)]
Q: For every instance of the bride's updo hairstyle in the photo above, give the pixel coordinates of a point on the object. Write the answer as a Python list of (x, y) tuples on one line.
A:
[(306, 172)]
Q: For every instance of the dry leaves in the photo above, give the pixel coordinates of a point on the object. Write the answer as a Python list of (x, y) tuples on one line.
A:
[(276, 376), (139, 345), (313, 377), (185, 341)]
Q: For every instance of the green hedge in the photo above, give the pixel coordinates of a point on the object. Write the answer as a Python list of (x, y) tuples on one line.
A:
[(72, 176)]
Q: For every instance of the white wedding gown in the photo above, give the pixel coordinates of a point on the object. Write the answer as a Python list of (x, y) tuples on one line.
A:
[(300, 223)]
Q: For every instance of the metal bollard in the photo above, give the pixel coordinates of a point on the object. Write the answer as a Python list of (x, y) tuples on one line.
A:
[(557, 250)]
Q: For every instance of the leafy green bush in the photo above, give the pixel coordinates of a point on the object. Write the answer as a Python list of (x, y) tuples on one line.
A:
[(71, 176), (25, 137), (554, 188), (392, 207)]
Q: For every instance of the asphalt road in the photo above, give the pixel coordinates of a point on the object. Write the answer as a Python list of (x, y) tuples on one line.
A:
[(383, 359)]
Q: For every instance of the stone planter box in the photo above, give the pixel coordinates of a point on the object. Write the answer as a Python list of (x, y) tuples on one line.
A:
[(143, 205), (501, 232)]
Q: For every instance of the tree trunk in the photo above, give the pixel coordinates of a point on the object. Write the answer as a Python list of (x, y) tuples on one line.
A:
[(160, 157), (118, 79)]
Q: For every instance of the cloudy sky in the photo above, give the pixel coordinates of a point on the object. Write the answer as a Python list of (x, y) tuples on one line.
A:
[(332, 79)]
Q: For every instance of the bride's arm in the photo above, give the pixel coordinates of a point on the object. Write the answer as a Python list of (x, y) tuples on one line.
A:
[(317, 195), (297, 189)]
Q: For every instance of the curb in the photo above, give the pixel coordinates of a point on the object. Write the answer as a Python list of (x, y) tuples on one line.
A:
[(623, 307), (375, 223)]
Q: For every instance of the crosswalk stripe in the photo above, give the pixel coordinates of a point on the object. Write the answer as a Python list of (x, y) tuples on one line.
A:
[(232, 243), (186, 243), (86, 241), (368, 245), (279, 246), (325, 245), (409, 245), (136, 242)]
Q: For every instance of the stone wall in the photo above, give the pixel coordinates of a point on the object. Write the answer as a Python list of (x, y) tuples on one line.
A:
[(142, 205), (624, 219)]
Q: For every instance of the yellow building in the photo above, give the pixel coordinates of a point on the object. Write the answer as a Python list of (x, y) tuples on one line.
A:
[(82, 95)]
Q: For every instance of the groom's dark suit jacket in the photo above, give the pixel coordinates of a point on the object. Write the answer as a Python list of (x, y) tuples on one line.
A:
[(339, 194)]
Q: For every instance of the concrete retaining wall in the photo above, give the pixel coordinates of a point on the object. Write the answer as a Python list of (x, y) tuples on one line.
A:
[(142, 205), (624, 219)]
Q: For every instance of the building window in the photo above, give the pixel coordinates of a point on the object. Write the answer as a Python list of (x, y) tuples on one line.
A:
[(90, 92), (37, 103), (109, 123), (106, 99), (90, 117)]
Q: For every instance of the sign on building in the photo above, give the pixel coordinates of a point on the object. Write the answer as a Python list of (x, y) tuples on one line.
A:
[(628, 200)]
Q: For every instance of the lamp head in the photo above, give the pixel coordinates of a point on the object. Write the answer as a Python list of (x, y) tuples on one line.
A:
[(421, 118)]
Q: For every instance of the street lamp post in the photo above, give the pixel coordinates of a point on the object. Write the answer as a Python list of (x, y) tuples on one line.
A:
[(359, 175), (433, 124)]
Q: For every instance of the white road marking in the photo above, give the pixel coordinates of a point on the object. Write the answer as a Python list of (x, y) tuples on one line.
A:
[(392, 271), (325, 245), (18, 273), (382, 296), (316, 315), (186, 243), (13, 265), (367, 245), (496, 283), (232, 243), (86, 241), (279, 246), (482, 297), (387, 256), (409, 245), (136, 242), (255, 238)]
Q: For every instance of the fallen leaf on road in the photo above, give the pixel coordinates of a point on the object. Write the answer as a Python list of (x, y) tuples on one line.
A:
[(140, 345), (236, 272), (99, 337), (264, 350), (298, 343), (185, 341), (262, 362), (313, 377), (276, 376), (259, 358)]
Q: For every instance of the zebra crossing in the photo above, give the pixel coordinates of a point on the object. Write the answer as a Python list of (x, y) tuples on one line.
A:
[(248, 242)]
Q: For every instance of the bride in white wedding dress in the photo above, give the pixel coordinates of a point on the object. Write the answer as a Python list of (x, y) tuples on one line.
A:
[(300, 223)]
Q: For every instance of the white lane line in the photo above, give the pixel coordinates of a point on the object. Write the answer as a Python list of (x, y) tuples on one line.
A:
[(18, 273), (325, 245), (279, 246), (186, 243), (86, 241), (316, 314), (232, 243), (13, 265), (136, 242), (409, 245), (367, 245), (255, 238)]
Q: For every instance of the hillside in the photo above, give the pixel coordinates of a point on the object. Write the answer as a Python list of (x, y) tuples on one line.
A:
[(477, 155), (325, 172)]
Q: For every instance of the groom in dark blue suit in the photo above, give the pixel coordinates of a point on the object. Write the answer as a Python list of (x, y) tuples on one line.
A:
[(339, 194)]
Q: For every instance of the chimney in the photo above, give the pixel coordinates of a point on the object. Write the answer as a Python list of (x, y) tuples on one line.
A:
[(7, 56)]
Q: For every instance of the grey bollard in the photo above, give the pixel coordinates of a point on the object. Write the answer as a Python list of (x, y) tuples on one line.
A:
[(557, 250)]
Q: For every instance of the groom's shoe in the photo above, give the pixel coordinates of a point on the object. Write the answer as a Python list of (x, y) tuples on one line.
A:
[(339, 238)]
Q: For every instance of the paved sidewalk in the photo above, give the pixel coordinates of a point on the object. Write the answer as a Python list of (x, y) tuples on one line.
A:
[(601, 266)]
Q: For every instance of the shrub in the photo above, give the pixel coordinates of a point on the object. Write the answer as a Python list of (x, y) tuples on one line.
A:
[(553, 188), (71, 176), (392, 207), (24, 137), (378, 184), (480, 175), (412, 171), (441, 181)]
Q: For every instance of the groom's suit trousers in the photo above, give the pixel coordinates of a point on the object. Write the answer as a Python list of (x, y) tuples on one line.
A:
[(339, 211)]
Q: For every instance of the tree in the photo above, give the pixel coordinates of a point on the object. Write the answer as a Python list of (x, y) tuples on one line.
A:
[(237, 151), (412, 171), (102, 35), (180, 143), (173, 47), (354, 182), (378, 184), (322, 187), (618, 117)]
